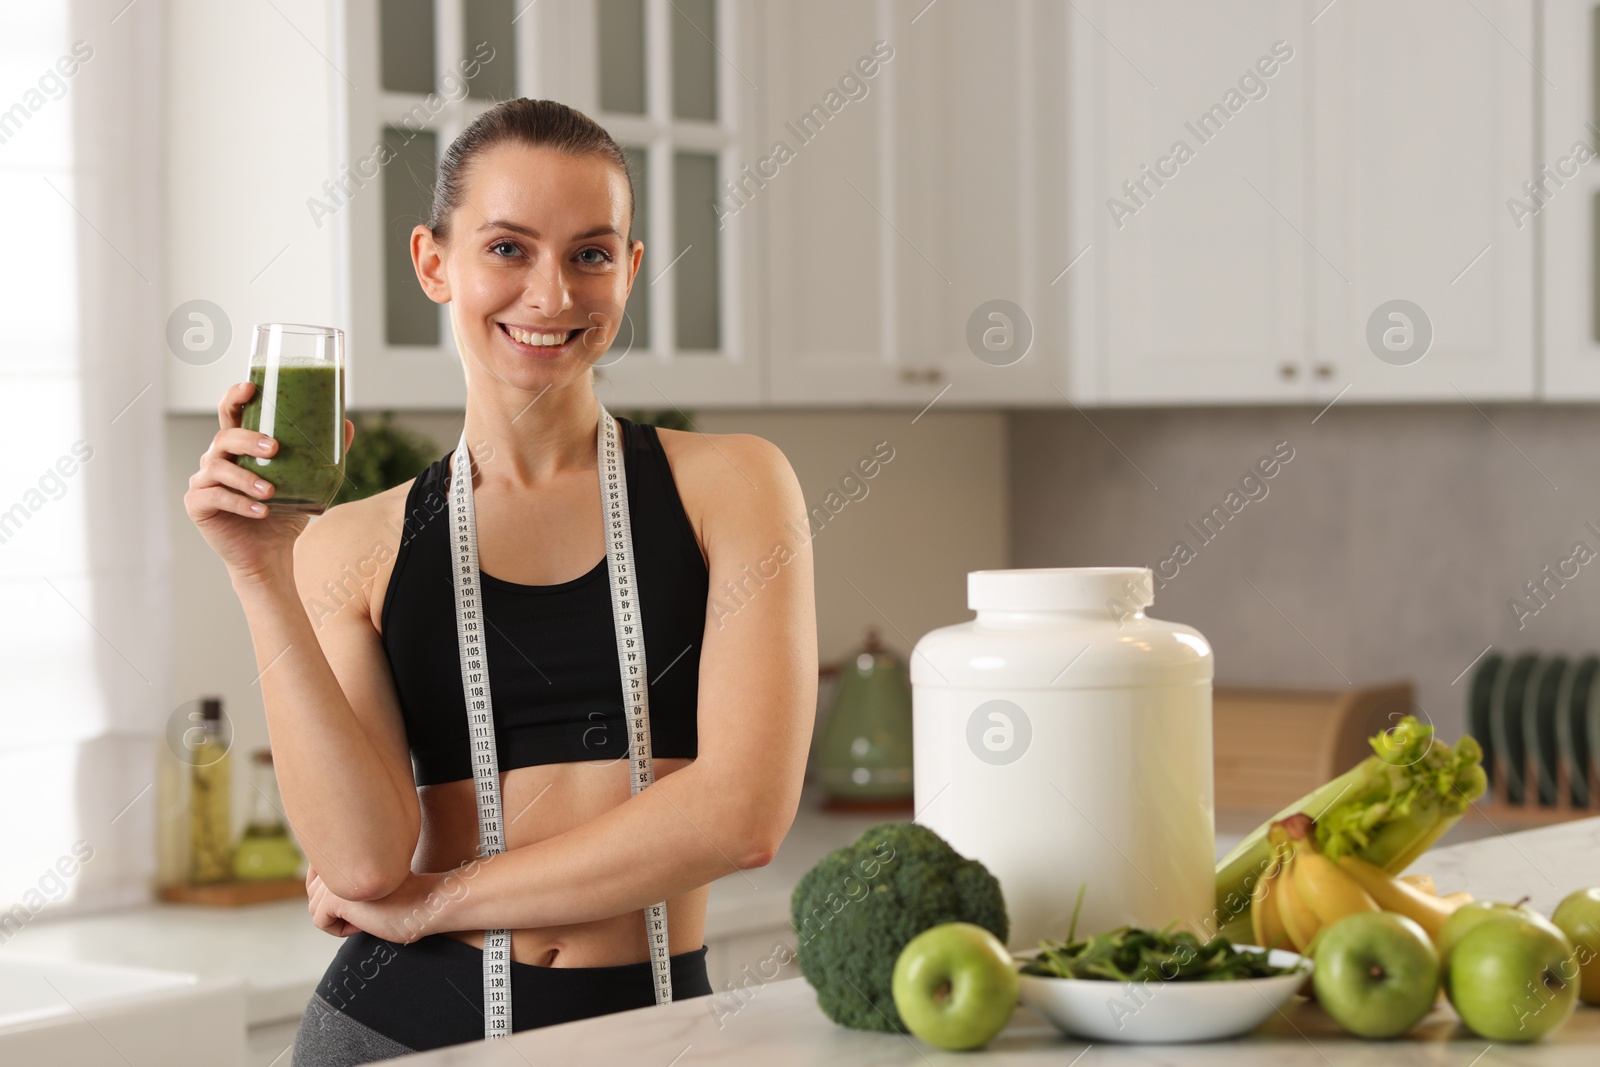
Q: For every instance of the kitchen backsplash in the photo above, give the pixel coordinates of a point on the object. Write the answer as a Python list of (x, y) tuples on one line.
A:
[(1395, 543)]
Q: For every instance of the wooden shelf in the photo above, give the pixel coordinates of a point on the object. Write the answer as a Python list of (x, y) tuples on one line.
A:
[(234, 894)]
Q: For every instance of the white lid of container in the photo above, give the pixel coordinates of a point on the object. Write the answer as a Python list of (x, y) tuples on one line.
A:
[(1060, 589), (1060, 628)]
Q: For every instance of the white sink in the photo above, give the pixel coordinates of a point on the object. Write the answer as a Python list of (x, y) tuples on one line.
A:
[(87, 1014)]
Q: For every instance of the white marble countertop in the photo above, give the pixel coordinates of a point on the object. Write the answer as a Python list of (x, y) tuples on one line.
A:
[(273, 947), (281, 956), (781, 1027), (779, 1024)]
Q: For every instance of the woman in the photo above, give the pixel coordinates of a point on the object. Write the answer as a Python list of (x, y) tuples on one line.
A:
[(353, 621)]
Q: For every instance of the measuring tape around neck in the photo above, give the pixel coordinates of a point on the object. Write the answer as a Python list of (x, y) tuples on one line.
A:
[(629, 627)]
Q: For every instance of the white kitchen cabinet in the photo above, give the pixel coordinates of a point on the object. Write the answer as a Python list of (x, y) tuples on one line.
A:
[(1372, 165), (1189, 193), (1565, 200), (313, 128), (1422, 125), (924, 149), (820, 236)]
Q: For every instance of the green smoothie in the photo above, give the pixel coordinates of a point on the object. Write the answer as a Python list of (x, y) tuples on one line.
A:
[(305, 414)]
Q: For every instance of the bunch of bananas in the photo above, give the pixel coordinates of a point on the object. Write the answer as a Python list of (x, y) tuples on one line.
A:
[(1303, 891), (1388, 809)]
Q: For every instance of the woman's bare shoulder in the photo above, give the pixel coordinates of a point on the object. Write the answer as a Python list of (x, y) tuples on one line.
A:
[(352, 524), (729, 478), (717, 455), (345, 556)]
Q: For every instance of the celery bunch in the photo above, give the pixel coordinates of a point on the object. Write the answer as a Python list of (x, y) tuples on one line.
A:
[(1388, 810)]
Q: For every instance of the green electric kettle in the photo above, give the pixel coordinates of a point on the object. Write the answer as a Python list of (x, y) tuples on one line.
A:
[(864, 754)]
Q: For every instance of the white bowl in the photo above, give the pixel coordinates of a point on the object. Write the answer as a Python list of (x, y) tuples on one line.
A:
[(1156, 1012)]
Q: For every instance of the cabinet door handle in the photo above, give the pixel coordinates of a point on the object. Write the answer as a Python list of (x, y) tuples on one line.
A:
[(1288, 371), (1324, 370), (915, 375)]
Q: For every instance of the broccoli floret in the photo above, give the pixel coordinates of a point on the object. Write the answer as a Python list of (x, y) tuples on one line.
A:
[(855, 910)]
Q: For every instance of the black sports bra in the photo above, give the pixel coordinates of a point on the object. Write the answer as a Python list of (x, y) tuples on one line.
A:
[(552, 650)]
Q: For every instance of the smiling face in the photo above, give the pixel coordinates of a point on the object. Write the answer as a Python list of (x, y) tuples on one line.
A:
[(535, 266)]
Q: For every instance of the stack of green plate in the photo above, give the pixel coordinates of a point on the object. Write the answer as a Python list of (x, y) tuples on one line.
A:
[(1533, 715)]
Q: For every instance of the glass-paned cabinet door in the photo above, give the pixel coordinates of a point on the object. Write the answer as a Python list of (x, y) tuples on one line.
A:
[(620, 59), (674, 83), (492, 22), (694, 60), (406, 46), (410, 76), (677, 83), (636, 327), (694, 188)]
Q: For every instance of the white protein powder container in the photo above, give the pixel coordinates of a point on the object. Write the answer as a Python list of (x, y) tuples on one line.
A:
[(1063, 739)]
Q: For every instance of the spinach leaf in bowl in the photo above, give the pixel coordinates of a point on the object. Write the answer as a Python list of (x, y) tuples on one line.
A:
[(1134, 954)]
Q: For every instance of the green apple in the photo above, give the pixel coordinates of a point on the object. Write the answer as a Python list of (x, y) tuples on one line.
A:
[(1377, 973), (1513, 979), (1469, 915), (1578, 916), (955, 985)]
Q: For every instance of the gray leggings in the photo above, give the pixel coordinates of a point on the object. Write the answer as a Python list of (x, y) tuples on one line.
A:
[(330, 1038), (381, 999)]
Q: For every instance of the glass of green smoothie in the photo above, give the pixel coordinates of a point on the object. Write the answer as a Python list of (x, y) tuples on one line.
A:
[(298, 373)]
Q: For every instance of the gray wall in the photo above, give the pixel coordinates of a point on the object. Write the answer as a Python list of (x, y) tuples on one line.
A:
[(1390, 543)]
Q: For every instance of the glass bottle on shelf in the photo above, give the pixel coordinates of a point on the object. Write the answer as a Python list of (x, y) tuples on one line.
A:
[(210, 790), (266, 852)]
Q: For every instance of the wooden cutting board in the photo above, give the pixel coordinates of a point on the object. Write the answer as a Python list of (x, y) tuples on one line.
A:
[(234, 894)]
